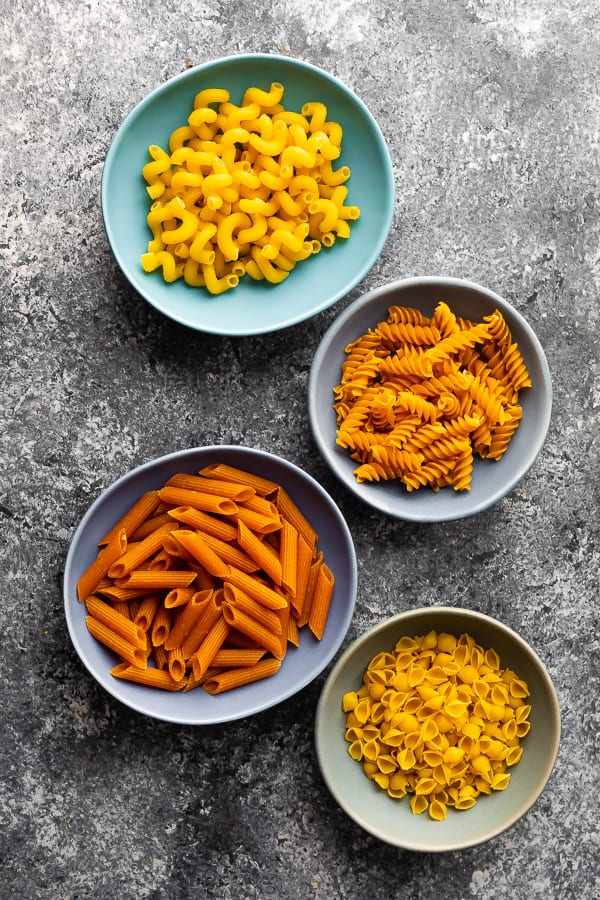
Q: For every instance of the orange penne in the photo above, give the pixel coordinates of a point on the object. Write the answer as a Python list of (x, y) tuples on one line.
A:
[(201, 550), (226, 681), (116, 621), (290, 511), (304, 561), (262, 554), (127, 651), (302, 616), (161, 626), (179, 597), (153, 580), (210, 614), (267, 617), (148, 526), (288, 554), (321, 600), (140, 552), (157, 678), (255, 589), (146, 611), (230, 659), (257, 521), (160, 657), (293, 635), (118, 594), (253, 629), (133, 518), (176, 663), (187, 619), (231, 554), (198, 500), (94, 574), (262, 486), (263, 506), (204, 655), (161, 561), (237, 492), (204, 522)]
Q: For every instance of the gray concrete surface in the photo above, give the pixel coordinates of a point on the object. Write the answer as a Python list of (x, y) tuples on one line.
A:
[(492, 114)]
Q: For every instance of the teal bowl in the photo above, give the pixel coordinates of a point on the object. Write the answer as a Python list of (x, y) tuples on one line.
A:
[(316, 283)]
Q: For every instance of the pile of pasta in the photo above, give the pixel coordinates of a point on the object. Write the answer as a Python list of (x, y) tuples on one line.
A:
[(207, 582), (437, 718), (245, 190), (420, 397)]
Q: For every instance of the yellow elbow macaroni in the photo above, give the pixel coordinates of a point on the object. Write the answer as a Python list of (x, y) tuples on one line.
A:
[(438, 719), (245, 190)]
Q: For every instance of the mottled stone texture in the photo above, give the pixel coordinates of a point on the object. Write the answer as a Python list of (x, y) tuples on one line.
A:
[(490, 108)]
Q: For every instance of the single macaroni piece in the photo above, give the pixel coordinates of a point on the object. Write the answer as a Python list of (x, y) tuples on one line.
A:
[(419, 398), (439, 719), (206, 582), (245, 190)]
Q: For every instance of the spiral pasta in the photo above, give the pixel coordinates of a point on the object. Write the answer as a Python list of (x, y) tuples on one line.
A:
[(437, 718), (245, 190), (419, 398)]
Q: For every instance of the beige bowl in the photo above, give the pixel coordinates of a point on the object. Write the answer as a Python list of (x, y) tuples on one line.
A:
[(390, 819)]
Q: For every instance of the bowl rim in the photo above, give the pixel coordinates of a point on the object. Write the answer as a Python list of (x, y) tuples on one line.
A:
[(296, 687), (390, 622), (413, 514), (232, 330)]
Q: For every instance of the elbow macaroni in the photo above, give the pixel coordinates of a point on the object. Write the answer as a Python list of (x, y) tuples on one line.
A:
[(261, 175)]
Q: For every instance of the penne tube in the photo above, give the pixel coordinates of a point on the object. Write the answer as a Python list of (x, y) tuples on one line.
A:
[(321, 601), (156, 678), (253, 629), (236, 492), (176, 664), (263, 486), (288, 555), (153, 580), (258, 522), (230, 554), (210, 614), (255, 589), (161, 626), (293, 635), (179, 597), (116, 621), (161, 561), (94, 574), (160, 656), (133, 518), (148, 526), (198, 500), (302, 616), (204, 522), (304, 561), (187, 619), (119, 594), (147, 610), (201, 550), (205, 653), (226, 681), (140, 552), (127, 651), (232, 659), (267, 617), (262, 554), (290, 511)]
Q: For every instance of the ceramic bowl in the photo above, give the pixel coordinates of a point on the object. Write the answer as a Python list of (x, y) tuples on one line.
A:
[(391, 820), (491, 480), (252, 307), (300, 666)]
